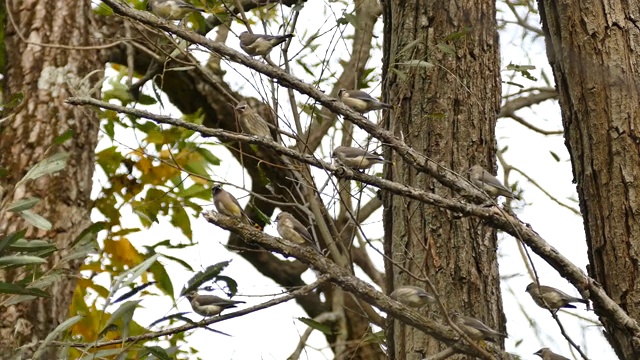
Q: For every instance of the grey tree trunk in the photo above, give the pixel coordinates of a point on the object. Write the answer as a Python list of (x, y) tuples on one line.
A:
[(46, 75), (595, 57), (446, 105)]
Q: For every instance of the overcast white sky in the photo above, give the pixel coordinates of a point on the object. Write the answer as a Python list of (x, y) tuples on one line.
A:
[(273, 333)]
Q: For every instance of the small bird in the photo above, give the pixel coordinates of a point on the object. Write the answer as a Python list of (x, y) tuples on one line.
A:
[(251, 122), (171, 9), (357, 158), (291, 229), (361, 101), (552, 297), (210, 305), (547, 354), (258, 44), (488, 183), (412, 296), (227, 204), (475, 329)]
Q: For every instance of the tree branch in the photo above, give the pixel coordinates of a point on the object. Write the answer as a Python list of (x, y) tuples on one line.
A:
[(153, 335), (493, 216), (350, 283)]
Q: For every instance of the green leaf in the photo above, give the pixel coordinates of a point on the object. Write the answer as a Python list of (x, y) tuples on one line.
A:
[(9, 288), (104, 353), (555, 156), (64, 137), (109, 159), (24, 245), (420, 63), (179, 261), (203, 276), (11, 238), (50, 165), (133, 291), (15, 100), (316, 325), (181, 220), (156, 351), (23, 204), (127, 277), (36, 220), (410, 46), (514, 84), (208, 156), (103, 9), (125, 309), (446, 49), (80, 252), (67, 324), (515, 67), (37, 287), (21, 260), (195, 190), (163, 279), (88, 234), (179, 316), (231, 283)]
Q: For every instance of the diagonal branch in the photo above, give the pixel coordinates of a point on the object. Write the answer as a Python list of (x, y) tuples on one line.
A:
[(351, 283), (493, 216), (154, 335)]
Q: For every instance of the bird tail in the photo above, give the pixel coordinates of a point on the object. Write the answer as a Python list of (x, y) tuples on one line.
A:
[(283, 38), (386, 106)]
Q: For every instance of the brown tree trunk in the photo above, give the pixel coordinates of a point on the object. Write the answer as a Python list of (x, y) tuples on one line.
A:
[(47, 75), (446, 104), (595, 55)]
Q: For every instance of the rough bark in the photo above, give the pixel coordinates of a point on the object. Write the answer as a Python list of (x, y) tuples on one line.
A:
[(454, 125), (594, 51), (47, 75), (188, 90)]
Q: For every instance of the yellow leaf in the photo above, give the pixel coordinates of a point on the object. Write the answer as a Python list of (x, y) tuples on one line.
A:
[(122, 252), (144, 165)]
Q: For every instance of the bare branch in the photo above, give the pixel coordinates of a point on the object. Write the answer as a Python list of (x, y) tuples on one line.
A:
[(493, 216), (322, 318), (350, 283), (154, 335)]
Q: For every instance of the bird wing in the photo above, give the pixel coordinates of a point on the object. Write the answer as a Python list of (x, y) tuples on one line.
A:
[(489, 179), (356, 152), (300, 229), (360, 95), (562, 294), (477, 324), (236, 203), (204, 300)]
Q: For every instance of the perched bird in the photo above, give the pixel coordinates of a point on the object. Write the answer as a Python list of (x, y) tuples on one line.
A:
[(547, 354), (488, 183), (227, 204), (360, 101), (412, 296), (251, 122), (171, 9), (210, 305), (552, 297), (291, 229), (258, 44), (475, 329), (357, 158)]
